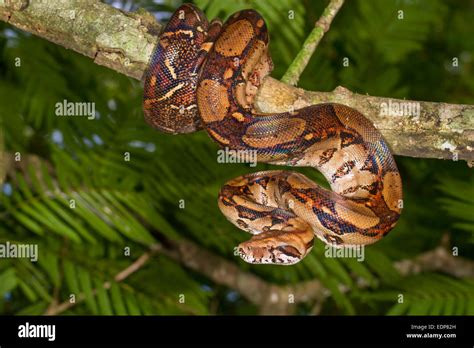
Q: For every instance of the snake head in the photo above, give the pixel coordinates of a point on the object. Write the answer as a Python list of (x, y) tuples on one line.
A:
[(271, 252)]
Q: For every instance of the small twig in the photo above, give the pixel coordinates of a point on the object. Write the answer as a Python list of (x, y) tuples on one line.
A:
[(296, 68), (122, 275), (440, 259), (133, 267)]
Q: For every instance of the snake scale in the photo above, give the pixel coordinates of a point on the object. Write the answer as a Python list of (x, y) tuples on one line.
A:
[(205, 75)]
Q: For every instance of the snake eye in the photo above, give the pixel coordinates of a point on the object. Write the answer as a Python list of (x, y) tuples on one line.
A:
[(289, 250)]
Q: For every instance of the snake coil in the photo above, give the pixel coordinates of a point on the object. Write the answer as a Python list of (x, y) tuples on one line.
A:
[(205, 75)]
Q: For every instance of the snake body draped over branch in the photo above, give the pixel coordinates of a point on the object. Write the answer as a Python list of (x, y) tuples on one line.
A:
[(205, 75)]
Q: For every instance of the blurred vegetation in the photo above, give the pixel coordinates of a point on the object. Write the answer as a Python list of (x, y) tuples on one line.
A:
[(120, 203)]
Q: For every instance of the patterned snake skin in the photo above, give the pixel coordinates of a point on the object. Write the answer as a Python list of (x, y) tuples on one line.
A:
[(205, 75)]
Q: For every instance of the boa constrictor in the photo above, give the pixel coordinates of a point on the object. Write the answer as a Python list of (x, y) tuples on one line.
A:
[(205, 75)]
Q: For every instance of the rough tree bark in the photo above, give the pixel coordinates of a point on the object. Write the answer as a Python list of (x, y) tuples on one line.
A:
[(124, 42)]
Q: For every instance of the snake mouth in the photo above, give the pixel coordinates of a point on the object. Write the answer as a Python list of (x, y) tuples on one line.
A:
[(267, 254), (176, 129)]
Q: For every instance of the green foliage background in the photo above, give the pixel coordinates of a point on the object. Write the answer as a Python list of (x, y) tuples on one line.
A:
[(127, 204)]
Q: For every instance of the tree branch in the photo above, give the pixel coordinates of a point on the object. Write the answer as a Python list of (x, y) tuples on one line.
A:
[(124, 42), (440, 259), (118, 40), (270, 298), (323, 24), (440, 131)]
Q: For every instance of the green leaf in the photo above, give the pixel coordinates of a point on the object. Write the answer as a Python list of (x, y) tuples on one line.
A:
[(27, 290), (86, 286), (70, 274), (34, 309), (132, 304), (50, 263), (8, 281), (102, 298), (117, 300)]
